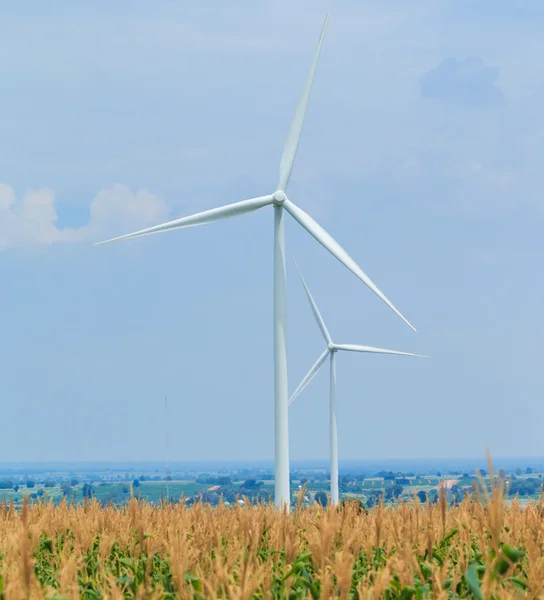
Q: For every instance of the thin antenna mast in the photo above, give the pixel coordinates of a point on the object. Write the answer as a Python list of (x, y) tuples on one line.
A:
[(166, 442)]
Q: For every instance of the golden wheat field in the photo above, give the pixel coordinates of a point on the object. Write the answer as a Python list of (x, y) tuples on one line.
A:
[(481, 548)]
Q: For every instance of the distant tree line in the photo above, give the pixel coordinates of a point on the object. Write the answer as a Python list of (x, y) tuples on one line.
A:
[(530, 486)]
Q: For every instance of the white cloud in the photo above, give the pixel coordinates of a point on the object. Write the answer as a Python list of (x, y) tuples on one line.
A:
[(32, 219), (463, 81)]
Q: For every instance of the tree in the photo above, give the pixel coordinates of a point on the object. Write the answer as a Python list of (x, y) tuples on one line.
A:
[(30, 483), (458, 493), (373, 498), (422, 495), (528, 470), (7, 484), (16, 488), (251, 484), (394, 491), (343, 483), (74, 482), (136, 483), (502, 474), (49, 483), (65, 488), (87, 490), (229, 494), (321, 498)]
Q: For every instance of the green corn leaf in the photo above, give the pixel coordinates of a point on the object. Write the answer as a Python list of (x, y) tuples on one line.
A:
[(407, 592), (510, 557), (513, 554), (473, 581), (518, 582)]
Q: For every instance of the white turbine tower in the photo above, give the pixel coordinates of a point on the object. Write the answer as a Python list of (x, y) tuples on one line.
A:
[(279, 201), (331, 351)]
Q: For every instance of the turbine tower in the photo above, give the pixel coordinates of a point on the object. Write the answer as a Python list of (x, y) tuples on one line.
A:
[(278, 199), (331, 351)]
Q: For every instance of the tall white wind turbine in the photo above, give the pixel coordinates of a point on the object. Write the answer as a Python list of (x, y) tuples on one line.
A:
[(279, 201), (331, 351)]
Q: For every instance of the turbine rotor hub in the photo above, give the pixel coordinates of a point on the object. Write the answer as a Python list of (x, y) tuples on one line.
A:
[(332, 347), (279, 197)]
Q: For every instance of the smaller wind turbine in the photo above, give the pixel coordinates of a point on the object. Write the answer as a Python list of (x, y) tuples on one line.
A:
[(331, 351)]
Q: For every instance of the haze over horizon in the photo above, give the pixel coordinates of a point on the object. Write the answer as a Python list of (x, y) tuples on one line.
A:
[(421, 155)]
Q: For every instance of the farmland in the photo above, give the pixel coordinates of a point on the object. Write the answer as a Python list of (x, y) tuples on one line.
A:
[(152, 491), (479, 548), (230, 485)]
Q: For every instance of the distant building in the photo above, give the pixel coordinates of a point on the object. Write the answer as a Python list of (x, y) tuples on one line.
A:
[(447, 484)]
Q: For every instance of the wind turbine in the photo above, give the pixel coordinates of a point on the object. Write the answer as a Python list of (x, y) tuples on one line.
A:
[(331, 351), (279, 201)]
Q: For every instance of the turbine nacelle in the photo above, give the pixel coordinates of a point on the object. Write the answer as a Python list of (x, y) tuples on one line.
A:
[(279, 197), (332, 348)]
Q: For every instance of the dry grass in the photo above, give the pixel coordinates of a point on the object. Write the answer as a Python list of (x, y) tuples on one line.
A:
[(481, 548)]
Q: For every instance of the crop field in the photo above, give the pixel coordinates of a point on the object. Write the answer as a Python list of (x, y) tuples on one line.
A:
[(481, 548), (151, 491), (155, 490)]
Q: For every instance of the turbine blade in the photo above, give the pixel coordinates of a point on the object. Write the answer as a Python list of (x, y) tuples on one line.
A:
[(202, 218), (356, 348), (293, 137), (315, 310), (309, 376), (328, 242)]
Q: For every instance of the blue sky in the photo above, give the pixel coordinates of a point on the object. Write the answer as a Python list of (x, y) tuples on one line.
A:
[(422, 155)]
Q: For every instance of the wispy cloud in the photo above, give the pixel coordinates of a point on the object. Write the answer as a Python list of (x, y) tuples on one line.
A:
[(468, 81)]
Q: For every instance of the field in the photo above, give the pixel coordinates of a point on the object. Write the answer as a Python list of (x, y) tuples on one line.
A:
[(151, 491), (481, 548)]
